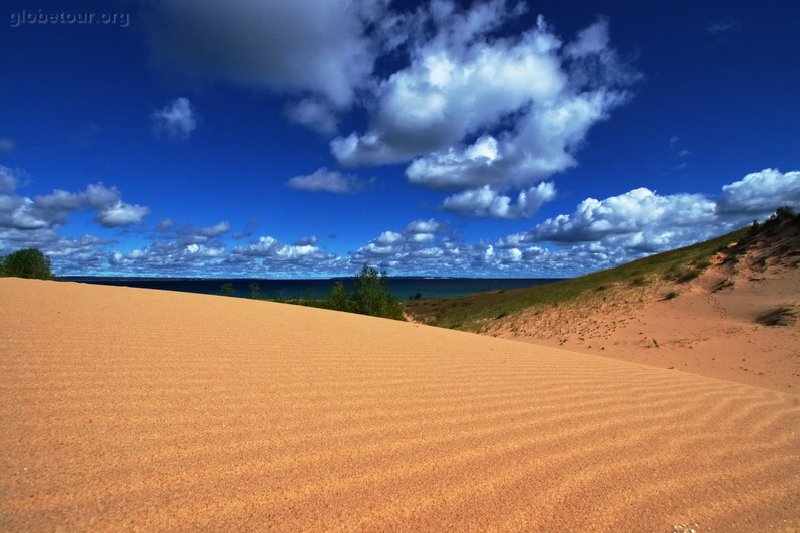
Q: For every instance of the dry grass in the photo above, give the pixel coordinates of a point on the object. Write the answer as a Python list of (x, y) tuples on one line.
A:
[(784, 315)]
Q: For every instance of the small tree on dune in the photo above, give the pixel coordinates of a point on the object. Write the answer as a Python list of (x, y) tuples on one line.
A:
[(372, 296), (255, 290), (227, 289), (339, 298), (29, 263)]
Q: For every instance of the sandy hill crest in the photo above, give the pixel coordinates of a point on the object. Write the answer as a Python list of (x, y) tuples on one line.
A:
[(733, 316), (768, 248), (130, 409)]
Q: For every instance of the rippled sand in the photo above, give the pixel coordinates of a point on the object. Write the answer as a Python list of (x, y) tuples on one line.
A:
[(134, 409)]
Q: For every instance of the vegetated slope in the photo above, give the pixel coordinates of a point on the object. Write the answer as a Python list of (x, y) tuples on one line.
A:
[(732, 315), (132, 409), (471, 312), (775, 240)]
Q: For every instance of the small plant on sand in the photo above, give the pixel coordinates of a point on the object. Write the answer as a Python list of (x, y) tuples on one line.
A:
[(670, 295), (255, 290), (727, 283), (683, 273), (784, 315), (227, 289)]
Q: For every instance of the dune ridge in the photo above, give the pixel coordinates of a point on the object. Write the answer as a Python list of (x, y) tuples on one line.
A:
[(736, 320), (129, 408)]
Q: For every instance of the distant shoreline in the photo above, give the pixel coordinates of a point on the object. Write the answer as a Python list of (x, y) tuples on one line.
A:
[(403, 287)]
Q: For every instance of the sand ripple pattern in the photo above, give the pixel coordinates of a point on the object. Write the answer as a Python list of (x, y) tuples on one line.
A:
[(135, 409)]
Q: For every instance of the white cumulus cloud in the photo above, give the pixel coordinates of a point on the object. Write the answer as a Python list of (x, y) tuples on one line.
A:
[(327, 181), (486, 202), (165, 225), (537, 100), (215, 230), (760, 193), (313, 114), (176, 120), (121, 214), (8, 180), (634, 211), (50, 210), (7, 145)]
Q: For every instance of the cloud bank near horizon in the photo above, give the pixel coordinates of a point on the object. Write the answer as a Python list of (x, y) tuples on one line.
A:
[(598, 234)]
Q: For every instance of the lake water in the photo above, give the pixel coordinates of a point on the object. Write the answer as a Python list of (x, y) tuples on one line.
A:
[(403, 288)]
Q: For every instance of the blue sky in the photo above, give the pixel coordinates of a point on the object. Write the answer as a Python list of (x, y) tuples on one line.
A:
[(306, 138)]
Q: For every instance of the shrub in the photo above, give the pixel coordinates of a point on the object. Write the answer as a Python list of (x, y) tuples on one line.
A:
[(670, 295), (29, 263), (685, 273), (372, 297), (339, 298), (784, 315), (255, 291), (785, 212), (227, 289)]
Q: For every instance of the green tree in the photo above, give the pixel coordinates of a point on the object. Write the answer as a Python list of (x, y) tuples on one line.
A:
[(785, 211), (29, 263), (339, 298), (372, 296), (227, 289), (255, 290)]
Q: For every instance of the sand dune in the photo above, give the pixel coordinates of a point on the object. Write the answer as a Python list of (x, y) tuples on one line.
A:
[(134, 409), (711, 328)]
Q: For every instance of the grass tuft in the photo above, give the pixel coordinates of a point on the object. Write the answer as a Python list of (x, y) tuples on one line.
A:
[(784, 315)]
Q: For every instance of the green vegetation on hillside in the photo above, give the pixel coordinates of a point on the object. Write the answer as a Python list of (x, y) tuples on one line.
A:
[(29, 263), (680, 265), (783, 215), (466, 312)]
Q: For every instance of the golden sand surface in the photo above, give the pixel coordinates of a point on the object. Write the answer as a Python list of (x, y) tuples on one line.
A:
[(130, 409)]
